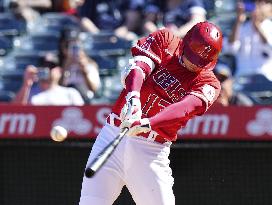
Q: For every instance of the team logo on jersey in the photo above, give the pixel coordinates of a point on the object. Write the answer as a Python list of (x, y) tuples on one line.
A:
[(209, 92), (169, 84)]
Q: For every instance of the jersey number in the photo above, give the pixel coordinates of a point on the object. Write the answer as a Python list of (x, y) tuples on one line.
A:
[(155, 103)]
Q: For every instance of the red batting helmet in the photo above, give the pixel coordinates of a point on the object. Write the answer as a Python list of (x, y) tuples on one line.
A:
[(202, 45)]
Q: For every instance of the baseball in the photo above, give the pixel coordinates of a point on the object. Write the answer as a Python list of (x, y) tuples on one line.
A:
[(58, 133)]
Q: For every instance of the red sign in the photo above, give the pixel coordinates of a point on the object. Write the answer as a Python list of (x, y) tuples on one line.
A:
[(223, 123)]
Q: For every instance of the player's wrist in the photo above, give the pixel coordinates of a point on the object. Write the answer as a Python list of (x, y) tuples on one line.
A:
[(151, 122), (145, 123), (132, 94), (132, 107)]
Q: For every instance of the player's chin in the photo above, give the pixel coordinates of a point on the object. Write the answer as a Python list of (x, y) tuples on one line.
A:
[(194, 69)]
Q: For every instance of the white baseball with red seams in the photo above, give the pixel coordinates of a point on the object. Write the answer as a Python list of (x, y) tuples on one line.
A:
[(58, 133)]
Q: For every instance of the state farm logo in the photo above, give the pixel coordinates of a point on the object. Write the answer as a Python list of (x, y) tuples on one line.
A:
[(72, 120), (17, 123), (262, 124), (208, 124)]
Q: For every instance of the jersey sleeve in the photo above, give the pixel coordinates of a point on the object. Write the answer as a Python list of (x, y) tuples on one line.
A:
[(154, 46), (207, 88)]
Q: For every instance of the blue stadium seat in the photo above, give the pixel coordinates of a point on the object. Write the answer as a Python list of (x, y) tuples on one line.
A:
[(59, 21), (257, 87), (11, 26), (11, 80), (17, 61), (6, 96), (2, 7), (5, 45), (107, 66), (106, 44), (41, 42), (23, 60)]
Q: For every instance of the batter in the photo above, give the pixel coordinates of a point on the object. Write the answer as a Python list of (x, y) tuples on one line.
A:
[(169, 81)]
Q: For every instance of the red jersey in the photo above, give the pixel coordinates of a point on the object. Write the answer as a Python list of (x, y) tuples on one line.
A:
[(169, 81)]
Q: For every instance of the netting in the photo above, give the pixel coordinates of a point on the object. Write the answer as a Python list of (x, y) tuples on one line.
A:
[(48, 173)]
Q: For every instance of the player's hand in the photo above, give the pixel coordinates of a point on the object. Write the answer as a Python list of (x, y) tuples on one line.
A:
[(132, 108), (136, 126)]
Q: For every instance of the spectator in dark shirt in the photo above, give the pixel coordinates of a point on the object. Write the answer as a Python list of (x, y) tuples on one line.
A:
[(181, 15), (227, 95), (102, 15), (133, 26)]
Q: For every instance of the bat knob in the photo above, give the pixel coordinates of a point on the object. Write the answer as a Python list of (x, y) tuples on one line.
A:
[(89, 172)]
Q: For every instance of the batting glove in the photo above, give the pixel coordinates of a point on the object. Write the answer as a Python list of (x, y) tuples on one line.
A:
[(132, 108), (136, 126)]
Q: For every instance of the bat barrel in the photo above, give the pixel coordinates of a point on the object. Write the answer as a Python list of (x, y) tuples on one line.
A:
[(95, 165), (89, 172)]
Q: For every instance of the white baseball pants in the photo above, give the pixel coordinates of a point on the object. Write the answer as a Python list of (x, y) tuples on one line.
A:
[(140, 165)]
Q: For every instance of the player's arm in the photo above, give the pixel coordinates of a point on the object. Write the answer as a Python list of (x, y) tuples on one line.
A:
[(201, 96), (178, 112), (174, 113), (146, 53), (132, 79), (196, 102)]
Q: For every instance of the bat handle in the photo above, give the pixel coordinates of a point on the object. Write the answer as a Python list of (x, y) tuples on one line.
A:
[(104, 155)]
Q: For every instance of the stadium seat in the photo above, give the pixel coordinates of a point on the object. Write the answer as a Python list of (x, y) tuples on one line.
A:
[(59, 21), (2, 7), (23, 60), (11, 26), (106, 44), (40, 42), (19, 60), (257, 87), (107, 66), (5, 45), (11, 82), (6, 96)]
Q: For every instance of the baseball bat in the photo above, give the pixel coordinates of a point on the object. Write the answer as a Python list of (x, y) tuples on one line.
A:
[(102, 157)]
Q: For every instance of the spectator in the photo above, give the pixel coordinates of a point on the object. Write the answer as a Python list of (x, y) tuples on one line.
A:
[(80, 71), (60, 5), (251, 39), (23, 12), (48, 91), (181, 15), (102, 15), (153, 17), (227, 95), (133, 26), (75, 8), (38, 5)]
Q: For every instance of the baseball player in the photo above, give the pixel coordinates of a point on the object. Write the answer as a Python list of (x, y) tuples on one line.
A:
[(169, 81)]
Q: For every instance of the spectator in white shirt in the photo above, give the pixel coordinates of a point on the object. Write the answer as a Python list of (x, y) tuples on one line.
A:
[(80, 71), (48, 90), (251, 40)]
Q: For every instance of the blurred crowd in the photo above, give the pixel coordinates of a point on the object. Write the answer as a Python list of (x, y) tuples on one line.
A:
[(70, 52)]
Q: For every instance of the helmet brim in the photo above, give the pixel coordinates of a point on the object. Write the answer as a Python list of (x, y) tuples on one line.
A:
[(197, 60)]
